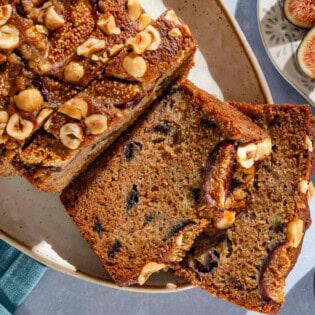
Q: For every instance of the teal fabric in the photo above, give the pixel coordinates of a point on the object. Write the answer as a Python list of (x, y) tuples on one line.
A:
[(19, 274)]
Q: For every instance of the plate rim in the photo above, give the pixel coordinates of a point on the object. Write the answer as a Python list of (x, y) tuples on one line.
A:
[(307, 98), (149, 288)]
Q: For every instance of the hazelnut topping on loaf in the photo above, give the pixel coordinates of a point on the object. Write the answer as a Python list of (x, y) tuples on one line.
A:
[(138, 71), (138, 204), (248, 262)]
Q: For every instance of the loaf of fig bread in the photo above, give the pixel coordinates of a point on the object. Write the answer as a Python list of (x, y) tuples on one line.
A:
[(86, 124), (45, 39), (138, 204), (246, 256)]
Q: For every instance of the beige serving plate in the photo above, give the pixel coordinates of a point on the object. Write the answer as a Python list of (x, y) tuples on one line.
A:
[(35, 222)]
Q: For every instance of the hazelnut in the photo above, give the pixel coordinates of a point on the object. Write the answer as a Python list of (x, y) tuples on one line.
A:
[(71, 136), (156, 37), (225, 222), (107, 24), (135, 65), (134, 9), (43, 115), (295, 232), (9, 37), (116, 49), (19, 128), (303, 186), (4, 116), (310, 192), (5, 13), (76, 108), (172, 17), (90, 46), (249, 153), (42, 29), (96, 124), (264, 148), (73, 72), (52, 19), (308, 144), (246, 155), (144, 20), (171, 286), (175, 32), (140, 43), (148, 270), (29, 100)]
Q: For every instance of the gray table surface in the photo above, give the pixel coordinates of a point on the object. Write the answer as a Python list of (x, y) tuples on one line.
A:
[(58, 294)]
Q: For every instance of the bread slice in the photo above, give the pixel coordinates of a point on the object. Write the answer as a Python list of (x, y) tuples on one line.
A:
[(137, 205), (247, 262), (87, 124)]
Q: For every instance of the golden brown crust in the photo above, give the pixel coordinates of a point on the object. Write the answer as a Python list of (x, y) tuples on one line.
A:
[(233, 122)]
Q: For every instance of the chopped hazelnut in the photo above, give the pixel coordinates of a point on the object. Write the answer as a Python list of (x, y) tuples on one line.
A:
[(172, 17), (19, 128), (76, 108), (29, 100), (303, 186), (140, 42), (295, 232), (5, 13), (308, 144), (96, 124), (175, 32), (135, 65), (90, 46), (107, 24), (225, 222), (9, 37), (148, 270), (116, 49), (156, 37), (71, 136), (52, 19), (134, 9), (43, 115), (73, 72), (144, 20)]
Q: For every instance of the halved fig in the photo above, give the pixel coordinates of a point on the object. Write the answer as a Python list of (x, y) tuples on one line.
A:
[(219, 174), (273, 274), (300, 12), (305, 54)]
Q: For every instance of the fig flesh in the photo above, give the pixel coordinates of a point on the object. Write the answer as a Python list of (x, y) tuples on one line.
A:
[(306, 54), (273, 274), (300, 12), (219, 174)]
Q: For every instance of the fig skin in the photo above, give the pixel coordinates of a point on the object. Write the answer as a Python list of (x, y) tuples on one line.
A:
[(219, 174), (273, 274), (305, 54), (300, 13)]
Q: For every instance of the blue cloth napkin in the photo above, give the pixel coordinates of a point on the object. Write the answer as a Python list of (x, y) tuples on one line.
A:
[(19, 274)]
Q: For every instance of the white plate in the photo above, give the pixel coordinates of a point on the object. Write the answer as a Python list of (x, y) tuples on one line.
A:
[(281, 40), (36, 222)]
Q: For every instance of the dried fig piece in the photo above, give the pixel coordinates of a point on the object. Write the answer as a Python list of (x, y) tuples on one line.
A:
[(273, 274), (219, 174)]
